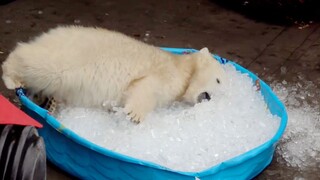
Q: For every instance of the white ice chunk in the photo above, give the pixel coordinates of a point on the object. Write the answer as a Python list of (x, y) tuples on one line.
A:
[(183, 137)]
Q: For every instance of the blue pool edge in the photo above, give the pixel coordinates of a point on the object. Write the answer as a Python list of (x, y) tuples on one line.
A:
[(269, 145)]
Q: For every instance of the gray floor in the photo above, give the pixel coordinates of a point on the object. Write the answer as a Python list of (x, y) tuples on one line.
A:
[(262, 48)]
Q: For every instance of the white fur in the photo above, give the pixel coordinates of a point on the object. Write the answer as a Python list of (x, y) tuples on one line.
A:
[(86, 66)]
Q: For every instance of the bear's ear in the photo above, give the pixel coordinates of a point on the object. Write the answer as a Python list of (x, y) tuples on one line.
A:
[(204, 51)]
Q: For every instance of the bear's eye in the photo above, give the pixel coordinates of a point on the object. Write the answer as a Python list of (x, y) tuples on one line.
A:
[(218, 81)]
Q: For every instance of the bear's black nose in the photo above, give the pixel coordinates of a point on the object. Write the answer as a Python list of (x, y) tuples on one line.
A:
[(203, 96)]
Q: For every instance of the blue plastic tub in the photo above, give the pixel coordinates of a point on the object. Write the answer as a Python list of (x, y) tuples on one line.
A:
[(86, 160)]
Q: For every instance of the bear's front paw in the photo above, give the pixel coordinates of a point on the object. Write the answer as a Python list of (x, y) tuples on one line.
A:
[(134, 115)]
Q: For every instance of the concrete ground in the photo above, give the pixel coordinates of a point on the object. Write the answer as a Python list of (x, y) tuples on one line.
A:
[(262, 48)]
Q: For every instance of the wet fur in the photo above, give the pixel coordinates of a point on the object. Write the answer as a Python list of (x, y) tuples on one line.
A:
[(86, 67)]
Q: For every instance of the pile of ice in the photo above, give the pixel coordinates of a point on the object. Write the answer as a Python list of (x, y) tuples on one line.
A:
[(300, 145), (182, 137)]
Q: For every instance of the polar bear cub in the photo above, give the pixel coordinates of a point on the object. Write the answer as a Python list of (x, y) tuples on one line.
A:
[(83, 66)]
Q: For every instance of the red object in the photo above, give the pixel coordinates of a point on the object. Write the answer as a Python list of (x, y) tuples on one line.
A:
[(10, 114)]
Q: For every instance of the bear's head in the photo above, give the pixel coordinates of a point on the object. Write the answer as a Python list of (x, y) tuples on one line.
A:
[(208, 75)]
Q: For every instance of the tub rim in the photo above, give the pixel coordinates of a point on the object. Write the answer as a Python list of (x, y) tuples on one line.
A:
[(235, 161)]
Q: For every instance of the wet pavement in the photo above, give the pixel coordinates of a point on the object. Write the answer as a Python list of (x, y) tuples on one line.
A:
[(265, 49)]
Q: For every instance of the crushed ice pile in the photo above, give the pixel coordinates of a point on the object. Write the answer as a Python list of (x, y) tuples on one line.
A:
[(182, 137), (300, 145)]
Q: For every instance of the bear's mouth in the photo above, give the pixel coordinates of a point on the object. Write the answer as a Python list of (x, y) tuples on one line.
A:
[(203, 96)]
